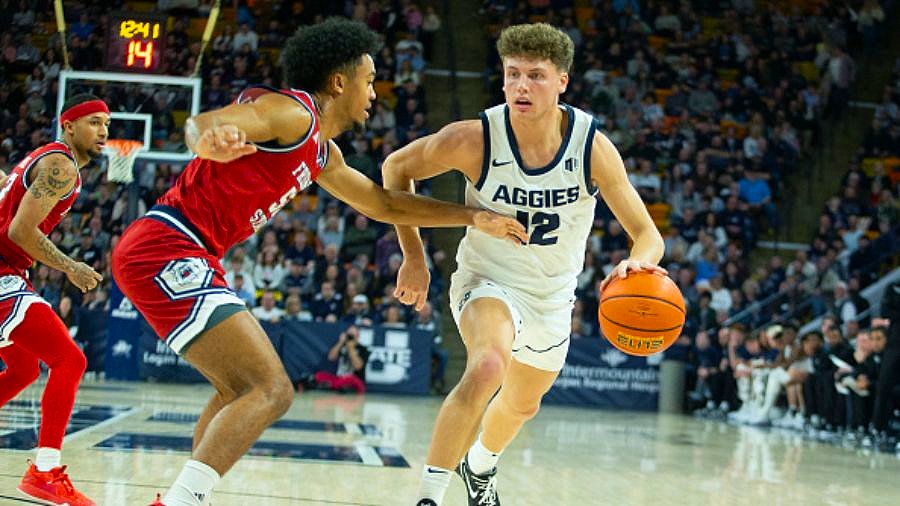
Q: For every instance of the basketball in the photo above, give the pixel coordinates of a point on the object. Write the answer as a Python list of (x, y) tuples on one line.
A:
[(642, 314)]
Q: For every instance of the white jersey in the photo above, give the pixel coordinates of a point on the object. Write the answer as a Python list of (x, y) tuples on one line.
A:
[(555, 203)]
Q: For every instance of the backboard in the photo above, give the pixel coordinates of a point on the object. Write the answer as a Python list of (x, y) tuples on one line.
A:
[(147, 108)]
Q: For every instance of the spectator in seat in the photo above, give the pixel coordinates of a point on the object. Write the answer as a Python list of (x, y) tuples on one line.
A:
[(327, 304), (294, 310), (755, 191), (298, 280), (359, 239), (392, 316), (269, 272), (300, 251), (87, 251), (707, 359), (245, 36), (267, 311), (744, 353), (359, 312), (237, 267), (241, 291)]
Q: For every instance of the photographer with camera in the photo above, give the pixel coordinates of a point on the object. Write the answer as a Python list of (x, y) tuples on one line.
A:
[(351, 358)]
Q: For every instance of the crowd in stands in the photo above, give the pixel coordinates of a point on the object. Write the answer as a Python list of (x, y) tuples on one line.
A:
[(317, 259)]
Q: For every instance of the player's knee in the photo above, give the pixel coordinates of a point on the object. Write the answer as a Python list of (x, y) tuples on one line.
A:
[(485, 373), (490, 366), (278, 394), (78, 363), (72, 363)]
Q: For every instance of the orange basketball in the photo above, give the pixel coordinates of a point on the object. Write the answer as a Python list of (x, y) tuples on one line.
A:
[(641, 314)]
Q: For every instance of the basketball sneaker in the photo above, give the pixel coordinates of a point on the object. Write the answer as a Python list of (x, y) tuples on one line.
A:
[(426, 502), (53, 486), (481, 488)]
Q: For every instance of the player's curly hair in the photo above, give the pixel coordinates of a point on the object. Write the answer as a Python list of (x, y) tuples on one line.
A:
[(539, 41), (315, 52)]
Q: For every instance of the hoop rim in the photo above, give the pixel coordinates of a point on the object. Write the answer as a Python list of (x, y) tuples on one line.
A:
[(123, 147)]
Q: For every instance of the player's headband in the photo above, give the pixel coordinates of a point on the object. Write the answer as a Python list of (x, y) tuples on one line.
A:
[(83, 109)]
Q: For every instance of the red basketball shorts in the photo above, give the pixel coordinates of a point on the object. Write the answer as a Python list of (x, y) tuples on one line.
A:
[(166, 272)]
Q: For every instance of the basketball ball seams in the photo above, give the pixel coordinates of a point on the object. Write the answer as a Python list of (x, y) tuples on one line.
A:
[(651, 297), (610, 320)]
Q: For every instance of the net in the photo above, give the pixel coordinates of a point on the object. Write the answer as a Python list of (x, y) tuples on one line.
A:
[(121, 154)]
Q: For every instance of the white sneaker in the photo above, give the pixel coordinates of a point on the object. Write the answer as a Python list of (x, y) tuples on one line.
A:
[(741, 415), (851, 384), (783, 420), (758, 418), (798, 422)]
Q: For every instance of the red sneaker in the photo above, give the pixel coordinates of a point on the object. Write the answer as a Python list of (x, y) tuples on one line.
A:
[(158, 501), (53, 486)]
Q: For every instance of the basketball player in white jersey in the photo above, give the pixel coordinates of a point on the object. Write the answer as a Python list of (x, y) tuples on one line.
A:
[(543, 162)]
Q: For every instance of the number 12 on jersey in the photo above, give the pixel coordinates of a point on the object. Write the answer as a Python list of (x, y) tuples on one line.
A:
[(543, 223)]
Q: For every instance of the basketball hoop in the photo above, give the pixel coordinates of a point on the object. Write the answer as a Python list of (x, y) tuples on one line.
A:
[(121, 154)]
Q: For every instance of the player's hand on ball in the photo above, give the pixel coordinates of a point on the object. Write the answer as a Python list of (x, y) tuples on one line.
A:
[(501, 227), (84, 277), (413, 279), (621, 270), (223, 143)]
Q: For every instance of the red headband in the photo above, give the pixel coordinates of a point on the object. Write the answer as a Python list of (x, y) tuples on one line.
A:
[(83, 109)]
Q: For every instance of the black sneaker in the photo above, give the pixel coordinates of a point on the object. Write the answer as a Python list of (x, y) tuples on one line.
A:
[(481, 489), (426, 502)]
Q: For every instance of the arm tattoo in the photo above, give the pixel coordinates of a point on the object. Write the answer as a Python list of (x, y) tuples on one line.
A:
[(52, 256), (54, 181), (50, 181)]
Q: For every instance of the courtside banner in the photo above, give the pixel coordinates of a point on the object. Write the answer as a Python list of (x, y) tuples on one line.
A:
[(598, 375), (399, 360), (123, 337)]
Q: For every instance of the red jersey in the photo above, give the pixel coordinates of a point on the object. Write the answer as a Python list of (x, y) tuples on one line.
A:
[(222, 204), (11, 254)]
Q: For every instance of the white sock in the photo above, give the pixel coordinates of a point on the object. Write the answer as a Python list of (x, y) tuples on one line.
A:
[(481, 460), (193, 485), (435, 481), (47, 459)]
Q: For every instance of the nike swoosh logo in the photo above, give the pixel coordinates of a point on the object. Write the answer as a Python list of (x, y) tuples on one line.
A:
[(495, 163), (435, 471), (472, 493)]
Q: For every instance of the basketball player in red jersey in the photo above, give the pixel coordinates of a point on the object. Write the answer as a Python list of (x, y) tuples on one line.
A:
[(35, 197), (253, 157)]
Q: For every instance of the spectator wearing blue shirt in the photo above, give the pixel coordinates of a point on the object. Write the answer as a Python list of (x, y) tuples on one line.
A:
[(83, 28), (242, 292), (755, 191)]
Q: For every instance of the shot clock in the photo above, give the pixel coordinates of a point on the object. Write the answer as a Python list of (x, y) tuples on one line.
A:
[(136, 42)]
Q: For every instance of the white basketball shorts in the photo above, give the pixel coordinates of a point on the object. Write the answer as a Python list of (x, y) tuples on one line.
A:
[(542, 327)]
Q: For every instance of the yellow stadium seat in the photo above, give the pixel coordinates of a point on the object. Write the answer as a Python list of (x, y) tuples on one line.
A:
[(657, 42), (868, 165), (583, 14), (180, 116), (809, 71), (384, 90), (727, 74), (662, 94), (659, 211)]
